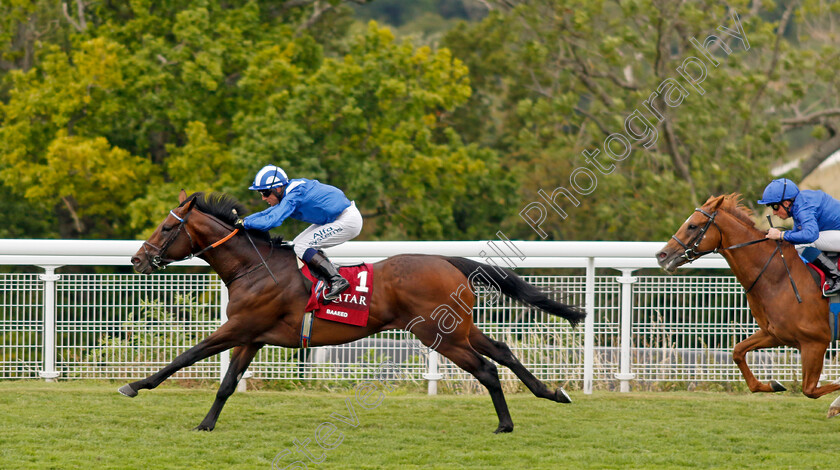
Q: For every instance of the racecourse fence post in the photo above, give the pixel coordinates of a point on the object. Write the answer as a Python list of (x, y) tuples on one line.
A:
[(432, 373), (589, 327), (49, 373), (224, 358), (624, 374)]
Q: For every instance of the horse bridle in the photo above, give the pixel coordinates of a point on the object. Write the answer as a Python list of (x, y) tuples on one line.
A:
[(160, 263), (690, 252)]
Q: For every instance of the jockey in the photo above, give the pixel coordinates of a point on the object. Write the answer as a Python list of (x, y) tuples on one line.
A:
[(816, 225), (334, 220)]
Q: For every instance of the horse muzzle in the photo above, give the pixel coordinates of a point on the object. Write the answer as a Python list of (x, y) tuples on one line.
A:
[(669, 260), (141, 265), (147, 264)]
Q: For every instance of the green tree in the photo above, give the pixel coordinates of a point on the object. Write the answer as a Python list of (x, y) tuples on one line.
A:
[(807, 87), (47, 154), (134, 101), (371, 124), (553, 79)]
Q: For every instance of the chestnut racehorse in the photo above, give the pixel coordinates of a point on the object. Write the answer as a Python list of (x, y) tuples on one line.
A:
[(773, 276), (408, 291)]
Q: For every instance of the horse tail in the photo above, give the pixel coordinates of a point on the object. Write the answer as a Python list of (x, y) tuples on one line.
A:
[(515, 287)]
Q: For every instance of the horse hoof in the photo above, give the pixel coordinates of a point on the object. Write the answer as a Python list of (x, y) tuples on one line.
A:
[(832, 412), (128, 391), (560, 396), (504, 428), (202, 427), (777, 387)]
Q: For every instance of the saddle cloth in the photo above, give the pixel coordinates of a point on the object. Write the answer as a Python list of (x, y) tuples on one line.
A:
[(353, 305), (833, 299)]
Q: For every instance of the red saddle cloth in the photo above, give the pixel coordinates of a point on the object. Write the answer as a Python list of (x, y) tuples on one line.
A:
[(353, 305), (819, 272)]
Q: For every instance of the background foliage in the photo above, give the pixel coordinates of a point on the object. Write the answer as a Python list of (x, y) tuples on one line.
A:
[(441, 118)]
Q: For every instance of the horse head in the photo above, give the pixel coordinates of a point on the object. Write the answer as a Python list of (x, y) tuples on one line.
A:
[(694, 237), (170, 241)]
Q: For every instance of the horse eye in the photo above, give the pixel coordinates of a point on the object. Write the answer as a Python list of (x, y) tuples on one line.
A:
[(165, 228), (692, 227)]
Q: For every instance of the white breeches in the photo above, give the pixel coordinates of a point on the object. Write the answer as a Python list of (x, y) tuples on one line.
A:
[(829, 240), (347, 226)]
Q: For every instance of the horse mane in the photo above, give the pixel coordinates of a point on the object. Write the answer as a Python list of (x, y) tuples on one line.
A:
[(219, 205), (731, 204)]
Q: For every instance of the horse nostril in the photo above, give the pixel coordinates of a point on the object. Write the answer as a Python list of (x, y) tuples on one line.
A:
[(661, 255), (135, 260)]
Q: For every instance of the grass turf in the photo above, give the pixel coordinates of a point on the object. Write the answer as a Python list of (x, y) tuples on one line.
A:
[(69, 425)]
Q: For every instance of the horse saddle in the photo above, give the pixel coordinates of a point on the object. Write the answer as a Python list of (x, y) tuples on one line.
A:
[(833, 299)]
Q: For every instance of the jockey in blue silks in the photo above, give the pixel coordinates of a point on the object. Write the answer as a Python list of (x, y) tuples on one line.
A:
[(334, 220), (816, 224)]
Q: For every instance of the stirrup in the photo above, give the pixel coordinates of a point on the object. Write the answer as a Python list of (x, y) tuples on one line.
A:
[(829, 292), (335, 289)]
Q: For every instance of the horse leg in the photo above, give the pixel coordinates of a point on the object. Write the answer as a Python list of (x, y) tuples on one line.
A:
[(813, 355), (501, 353), (220, 340), (240, 360), (758, 340), (465, 357)]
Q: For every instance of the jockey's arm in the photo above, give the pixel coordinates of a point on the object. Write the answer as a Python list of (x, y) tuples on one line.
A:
[(271, 217), (804, 231)]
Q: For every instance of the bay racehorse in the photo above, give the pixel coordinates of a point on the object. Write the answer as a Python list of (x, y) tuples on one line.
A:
[(775, 279), (408, 290)]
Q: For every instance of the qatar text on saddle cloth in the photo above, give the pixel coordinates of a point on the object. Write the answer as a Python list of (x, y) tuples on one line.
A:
[(353, 305)]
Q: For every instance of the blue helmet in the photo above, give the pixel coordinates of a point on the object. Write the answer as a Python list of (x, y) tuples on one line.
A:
[(779, 190), (271, 176)]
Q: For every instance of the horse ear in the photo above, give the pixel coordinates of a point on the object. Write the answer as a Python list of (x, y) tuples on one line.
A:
[(189, 205), (715, 202), (182, 196)]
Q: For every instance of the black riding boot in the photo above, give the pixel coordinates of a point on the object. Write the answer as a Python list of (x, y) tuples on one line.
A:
[(832, 274), (323, 269)]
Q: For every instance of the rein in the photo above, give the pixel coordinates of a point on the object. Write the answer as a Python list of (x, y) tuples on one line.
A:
[(259, 254), (160, 263), (690, 253), (261, 259), (779, 248)]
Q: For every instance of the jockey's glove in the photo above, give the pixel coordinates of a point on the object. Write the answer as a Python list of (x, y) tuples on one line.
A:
[(239, 224)]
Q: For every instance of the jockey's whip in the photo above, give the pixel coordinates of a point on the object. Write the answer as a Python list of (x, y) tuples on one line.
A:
[(258, 252)]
